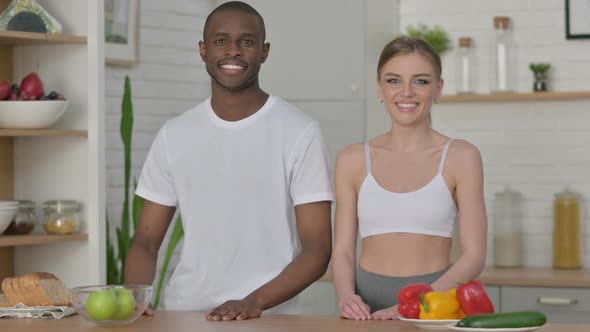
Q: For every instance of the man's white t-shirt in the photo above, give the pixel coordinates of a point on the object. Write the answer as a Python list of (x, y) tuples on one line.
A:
[(236, 185)]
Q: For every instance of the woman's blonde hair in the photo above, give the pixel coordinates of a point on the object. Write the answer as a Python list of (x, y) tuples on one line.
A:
[(407, 45)]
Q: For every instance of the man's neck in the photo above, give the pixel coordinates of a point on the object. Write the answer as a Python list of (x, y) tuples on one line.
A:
[(235, 106)]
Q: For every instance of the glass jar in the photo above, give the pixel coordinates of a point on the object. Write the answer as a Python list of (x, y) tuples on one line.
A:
[(61, 216), (508, 216), (465, 66), (24, 220), (566, 231), (502, 65)]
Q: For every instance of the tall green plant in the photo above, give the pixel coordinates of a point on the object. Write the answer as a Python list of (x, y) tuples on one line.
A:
[(116, 263)]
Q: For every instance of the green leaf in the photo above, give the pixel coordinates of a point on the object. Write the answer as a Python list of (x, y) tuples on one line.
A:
[(124, 236), (137, 205), (175, 237), (113, 273), (539, 67), (436, 36)]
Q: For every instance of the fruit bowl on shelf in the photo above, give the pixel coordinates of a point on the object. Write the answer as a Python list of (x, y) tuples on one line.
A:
[(30, 114), (111, 305), (7, 212)]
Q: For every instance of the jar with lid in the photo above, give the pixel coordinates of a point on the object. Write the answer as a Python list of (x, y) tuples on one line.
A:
[(24, 220), (508, 215), (465, 64), (61, 216), (566, 231), (502, 54)]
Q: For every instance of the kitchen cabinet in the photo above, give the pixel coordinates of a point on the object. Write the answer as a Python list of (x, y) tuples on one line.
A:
[(66, 161), (563, 295), (561, 305)]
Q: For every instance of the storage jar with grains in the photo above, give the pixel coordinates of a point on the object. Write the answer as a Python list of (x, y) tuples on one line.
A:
[(24, 220), (566, 231), (508, 215), (61, 216)]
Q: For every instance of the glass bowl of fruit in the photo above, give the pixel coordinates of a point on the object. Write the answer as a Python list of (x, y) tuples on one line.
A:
[(111, 305)]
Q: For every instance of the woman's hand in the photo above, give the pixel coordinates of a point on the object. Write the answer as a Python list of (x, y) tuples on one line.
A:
[(389, 313), (353, 307)]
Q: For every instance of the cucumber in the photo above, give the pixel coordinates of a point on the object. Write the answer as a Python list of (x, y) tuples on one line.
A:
[(504, 320)]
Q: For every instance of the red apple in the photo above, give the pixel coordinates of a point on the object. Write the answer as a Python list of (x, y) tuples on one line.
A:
[(4, 90), (32, 86)]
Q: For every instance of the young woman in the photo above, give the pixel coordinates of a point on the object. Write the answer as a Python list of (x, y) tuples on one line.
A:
[(403, 191)]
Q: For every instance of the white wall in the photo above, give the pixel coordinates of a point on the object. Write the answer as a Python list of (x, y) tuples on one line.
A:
[(538, 147), (169, 79)]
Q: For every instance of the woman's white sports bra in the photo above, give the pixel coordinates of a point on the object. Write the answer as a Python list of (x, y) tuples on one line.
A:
[(429, 210)]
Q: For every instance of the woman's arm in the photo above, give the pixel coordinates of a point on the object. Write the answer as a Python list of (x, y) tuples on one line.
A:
[(466, 165), (345, 235)]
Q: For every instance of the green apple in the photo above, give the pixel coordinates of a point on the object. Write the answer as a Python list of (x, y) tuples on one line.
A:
[(125, 303), (101, 305)]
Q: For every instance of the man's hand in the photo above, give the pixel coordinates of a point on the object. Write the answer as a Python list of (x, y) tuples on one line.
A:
[(353, 307), (389, 313), (235, 309)]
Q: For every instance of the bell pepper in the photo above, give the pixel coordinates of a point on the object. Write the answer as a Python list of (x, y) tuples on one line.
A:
[(409, 299), (439, 305), (473, 298)]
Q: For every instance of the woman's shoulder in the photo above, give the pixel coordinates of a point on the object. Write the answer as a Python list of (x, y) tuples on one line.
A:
[(351, 157), (464, 154)]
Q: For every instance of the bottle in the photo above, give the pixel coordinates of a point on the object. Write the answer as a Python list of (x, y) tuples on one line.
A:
[(508, 215), (465, 66), (566, 231), (502, 56)]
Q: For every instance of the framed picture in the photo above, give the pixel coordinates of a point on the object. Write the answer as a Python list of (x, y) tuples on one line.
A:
[(121, 27), (577, 19)]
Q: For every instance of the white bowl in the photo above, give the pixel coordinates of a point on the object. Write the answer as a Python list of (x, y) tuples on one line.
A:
[(30, 114), (7, 213)]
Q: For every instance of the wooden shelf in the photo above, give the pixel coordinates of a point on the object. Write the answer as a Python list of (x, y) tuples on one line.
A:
[(35, 38), (42, 132), (516, 96), (35, 239)]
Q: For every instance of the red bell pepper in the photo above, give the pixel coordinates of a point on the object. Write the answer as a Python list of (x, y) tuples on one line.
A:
[(409, 299), (473, 298)]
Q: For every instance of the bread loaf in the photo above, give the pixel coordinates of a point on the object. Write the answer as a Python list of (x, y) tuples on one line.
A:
[(4, 301), (36, 289)]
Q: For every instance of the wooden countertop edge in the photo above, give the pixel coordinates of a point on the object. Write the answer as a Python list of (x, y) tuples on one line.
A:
[(527, 277)]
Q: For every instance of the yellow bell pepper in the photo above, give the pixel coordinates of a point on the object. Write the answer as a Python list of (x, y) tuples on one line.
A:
[(440, 305)]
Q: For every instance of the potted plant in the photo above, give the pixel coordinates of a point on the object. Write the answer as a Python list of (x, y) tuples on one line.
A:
[(540, 75), (436, 36)]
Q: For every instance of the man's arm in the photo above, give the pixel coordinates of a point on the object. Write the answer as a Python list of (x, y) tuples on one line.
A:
[(315, 235), (140, 265)]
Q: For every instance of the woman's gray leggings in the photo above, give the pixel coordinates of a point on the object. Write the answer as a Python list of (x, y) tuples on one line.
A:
[(380, 291)]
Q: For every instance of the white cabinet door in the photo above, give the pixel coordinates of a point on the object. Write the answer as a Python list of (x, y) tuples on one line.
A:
[(494, 294), (561, 305)]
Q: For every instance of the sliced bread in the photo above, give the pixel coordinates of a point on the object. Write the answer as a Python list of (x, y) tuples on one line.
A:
[(27, 290), (9, 292), (36, 289), (52, 291), (4, 301)]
